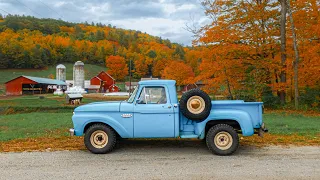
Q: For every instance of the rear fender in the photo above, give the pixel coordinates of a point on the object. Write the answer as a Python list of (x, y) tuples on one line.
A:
[(242, 117)]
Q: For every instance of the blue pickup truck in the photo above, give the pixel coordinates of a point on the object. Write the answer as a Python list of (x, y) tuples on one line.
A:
[(153, 111)]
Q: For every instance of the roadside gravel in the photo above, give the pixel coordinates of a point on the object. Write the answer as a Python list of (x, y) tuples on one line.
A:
[(169, 160)]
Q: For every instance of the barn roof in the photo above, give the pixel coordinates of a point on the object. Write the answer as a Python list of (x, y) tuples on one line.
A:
[(42, 80), (106, 74)]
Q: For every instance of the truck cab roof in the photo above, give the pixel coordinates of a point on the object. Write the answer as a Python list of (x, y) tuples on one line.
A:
[(157, 82)]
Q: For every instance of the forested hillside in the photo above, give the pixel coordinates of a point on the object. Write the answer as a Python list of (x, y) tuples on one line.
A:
[(28, 42), (256, 50)]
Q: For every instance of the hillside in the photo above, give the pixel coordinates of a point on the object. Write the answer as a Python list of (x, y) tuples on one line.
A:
[(29, 42)]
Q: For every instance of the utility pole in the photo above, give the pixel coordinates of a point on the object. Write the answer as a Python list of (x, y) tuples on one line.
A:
[(130, 76)]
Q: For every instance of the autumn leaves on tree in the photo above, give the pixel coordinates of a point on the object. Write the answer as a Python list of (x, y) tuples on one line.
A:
[(256, 50), (117, 67), (249, 49)]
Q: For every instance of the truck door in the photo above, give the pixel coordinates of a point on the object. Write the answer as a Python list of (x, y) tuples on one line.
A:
[(153, 113)]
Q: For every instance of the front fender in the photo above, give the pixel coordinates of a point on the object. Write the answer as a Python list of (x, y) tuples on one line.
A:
[(81, 120), (242, 117)]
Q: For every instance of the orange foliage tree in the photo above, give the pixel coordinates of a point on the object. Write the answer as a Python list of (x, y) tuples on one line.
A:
[(243, 41), (242, 44), (117, 67), (178, 71)]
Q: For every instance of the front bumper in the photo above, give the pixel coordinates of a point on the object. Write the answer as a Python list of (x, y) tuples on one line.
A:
[(71, 131), (262, 130)]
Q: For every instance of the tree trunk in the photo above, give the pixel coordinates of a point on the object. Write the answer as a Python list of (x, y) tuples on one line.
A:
[(283, 48), (228, 84), (296, 61)]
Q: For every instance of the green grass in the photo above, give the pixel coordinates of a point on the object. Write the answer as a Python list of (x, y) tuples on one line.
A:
[(32, 101), (48, 101), (27, 125), (8, 74), (281, 123), (121, 85)]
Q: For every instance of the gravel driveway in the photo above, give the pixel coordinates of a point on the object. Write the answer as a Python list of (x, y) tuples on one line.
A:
[(164, 160)]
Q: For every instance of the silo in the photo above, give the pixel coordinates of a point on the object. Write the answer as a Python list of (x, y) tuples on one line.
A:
[(78, 74), (61, 72)]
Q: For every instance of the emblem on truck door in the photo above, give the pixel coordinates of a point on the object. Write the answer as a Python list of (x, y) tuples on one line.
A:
[(126, 115)]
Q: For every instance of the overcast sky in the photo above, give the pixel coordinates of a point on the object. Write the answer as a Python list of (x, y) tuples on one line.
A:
[(165, 18)]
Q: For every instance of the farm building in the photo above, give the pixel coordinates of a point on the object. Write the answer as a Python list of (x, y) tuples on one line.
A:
[(87, 86), (103, 82), (33, 85), (106, 82)]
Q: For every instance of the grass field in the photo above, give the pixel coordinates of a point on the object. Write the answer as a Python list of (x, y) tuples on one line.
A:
[(17, 126), (288, 124), (39, 124), (8, 74), (51, 101)]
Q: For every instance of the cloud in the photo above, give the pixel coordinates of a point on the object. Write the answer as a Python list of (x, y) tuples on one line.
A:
[(165, 18)]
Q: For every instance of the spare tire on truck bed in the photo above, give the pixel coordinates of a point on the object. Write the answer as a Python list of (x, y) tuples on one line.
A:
[(195, 104)]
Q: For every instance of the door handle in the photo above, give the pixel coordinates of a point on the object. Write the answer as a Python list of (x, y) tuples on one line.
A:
[(169, 106)]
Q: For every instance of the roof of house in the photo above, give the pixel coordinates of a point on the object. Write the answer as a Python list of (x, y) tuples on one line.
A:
[(42, 80), (106, 74), (96, 77)]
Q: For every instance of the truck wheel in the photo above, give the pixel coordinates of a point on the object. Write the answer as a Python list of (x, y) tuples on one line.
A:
[(195, 105), (222, 139), (100, 139)]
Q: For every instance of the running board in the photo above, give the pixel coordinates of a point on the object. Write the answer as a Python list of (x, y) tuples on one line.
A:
[(188, 135)]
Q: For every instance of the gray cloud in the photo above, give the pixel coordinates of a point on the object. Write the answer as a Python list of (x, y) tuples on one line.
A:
[(165, 18)]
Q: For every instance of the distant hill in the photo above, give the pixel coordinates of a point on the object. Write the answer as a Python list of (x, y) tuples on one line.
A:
[(29, 42)]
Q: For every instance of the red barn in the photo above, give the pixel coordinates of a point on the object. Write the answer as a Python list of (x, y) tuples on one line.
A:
[(32, 85), (107, 81), (114, 88)]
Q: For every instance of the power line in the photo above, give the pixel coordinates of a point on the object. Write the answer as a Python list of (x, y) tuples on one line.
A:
[(51, 9), (5, 11), (28, 8)]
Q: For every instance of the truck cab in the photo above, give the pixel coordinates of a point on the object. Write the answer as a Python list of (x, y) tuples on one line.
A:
[(153, 111)]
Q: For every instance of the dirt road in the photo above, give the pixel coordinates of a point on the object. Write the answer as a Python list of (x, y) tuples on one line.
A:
[(164, 160)]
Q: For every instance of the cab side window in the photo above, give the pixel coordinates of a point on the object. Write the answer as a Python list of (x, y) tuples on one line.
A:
[(153, 95)]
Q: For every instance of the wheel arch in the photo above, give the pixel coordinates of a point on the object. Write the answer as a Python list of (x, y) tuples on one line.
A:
[(231, 122), (86, 127), (120, 130)]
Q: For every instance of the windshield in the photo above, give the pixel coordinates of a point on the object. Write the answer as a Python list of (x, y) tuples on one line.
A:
[(130, 100)]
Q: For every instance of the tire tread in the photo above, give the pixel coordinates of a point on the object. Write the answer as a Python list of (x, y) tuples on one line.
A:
[(211, 134), (112, 137)]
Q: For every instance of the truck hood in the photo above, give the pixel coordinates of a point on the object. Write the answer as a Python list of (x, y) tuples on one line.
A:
[(109, 106)]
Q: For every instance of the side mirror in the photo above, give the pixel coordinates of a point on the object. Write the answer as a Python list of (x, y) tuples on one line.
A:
[(138, 101)]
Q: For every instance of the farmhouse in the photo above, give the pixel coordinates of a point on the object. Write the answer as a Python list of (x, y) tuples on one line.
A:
[(33, 85), (105, 81)]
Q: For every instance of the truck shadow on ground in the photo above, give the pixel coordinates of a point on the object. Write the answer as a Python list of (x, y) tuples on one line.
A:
[(188, 146)]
